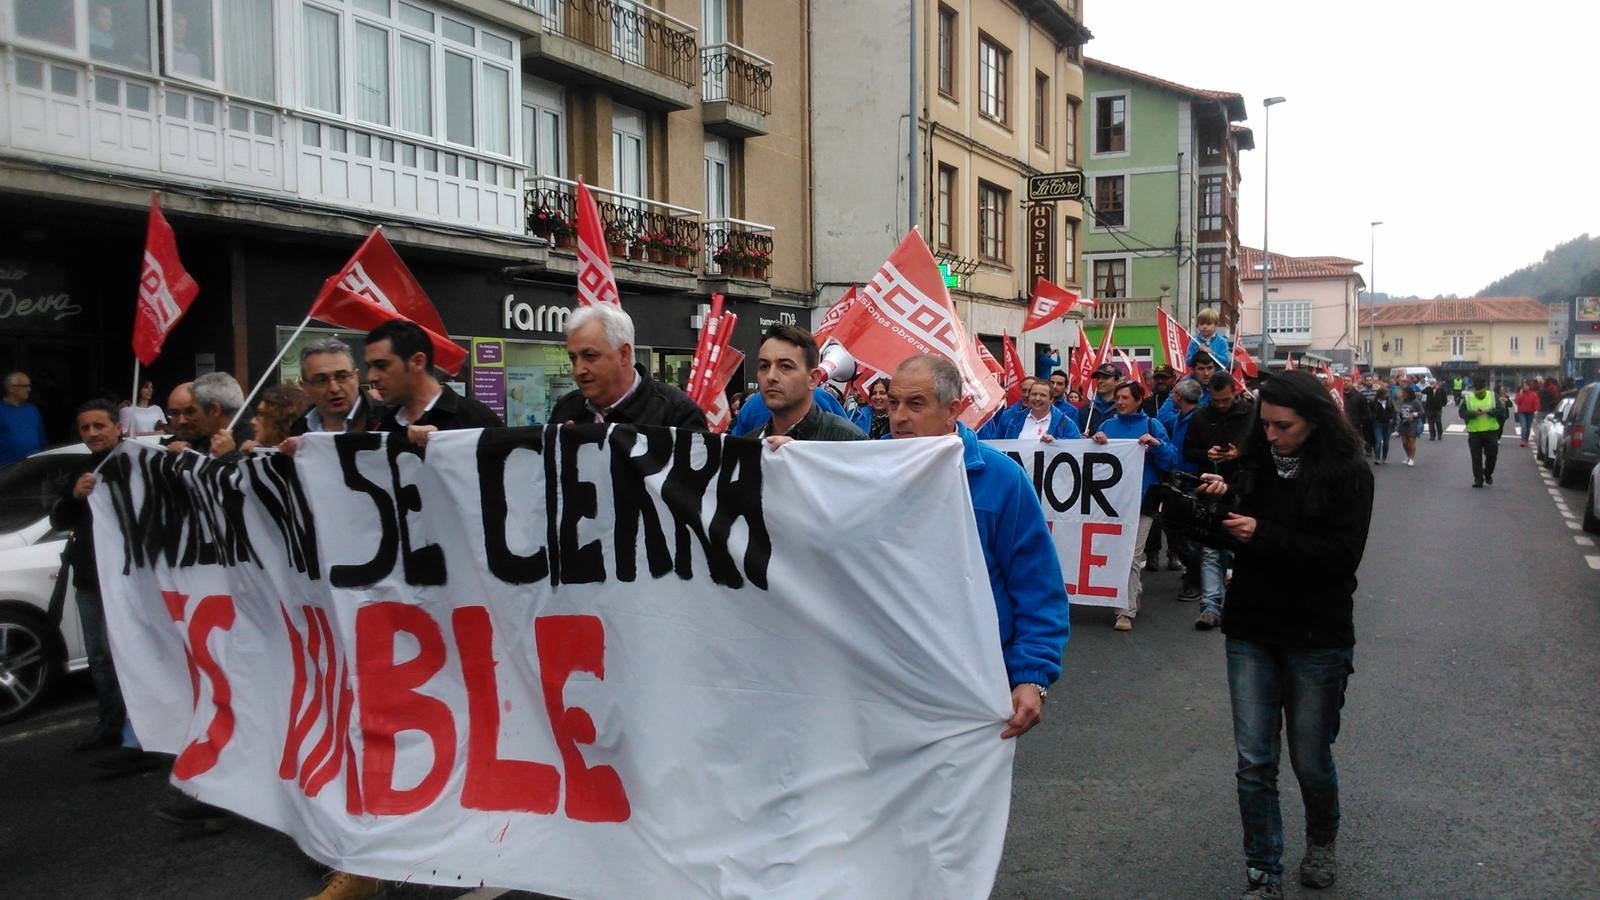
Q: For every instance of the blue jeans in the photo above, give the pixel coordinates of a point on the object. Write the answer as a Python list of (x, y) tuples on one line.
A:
[(1526, 420), (97, 647), (1265, 682), (1213, 575), (1380, 440)]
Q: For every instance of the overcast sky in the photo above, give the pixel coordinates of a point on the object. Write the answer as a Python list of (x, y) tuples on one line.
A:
[(1470, 129)]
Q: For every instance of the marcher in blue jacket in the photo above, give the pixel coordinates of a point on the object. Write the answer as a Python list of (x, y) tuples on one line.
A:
[(1099, 407), (1208, 339), (1025, 578), (1175, 416), (754, 415), (1039, 419), (1131, 423), (873, 417)]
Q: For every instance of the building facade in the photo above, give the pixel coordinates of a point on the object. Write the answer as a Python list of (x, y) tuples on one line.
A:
[(1311, 311), (1507, 338), (1162, 167), (996, 91), (280, 131)]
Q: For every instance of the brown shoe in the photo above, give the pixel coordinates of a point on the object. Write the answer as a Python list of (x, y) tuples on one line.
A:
[(1207, 621), (344, 886), (1123, 623)]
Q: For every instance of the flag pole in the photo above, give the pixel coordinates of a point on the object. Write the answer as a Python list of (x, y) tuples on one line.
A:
[(135, 400), (262, 381)]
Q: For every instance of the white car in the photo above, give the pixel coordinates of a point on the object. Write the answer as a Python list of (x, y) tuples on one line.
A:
[(33, 652)]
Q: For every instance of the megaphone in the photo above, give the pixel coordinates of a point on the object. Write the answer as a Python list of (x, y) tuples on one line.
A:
[(837, 365)]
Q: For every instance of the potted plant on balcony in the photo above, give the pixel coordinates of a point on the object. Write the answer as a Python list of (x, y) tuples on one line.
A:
[(730, 260), (758, 260), (553, 226), (656, 245), (684, 252), (618, 234)]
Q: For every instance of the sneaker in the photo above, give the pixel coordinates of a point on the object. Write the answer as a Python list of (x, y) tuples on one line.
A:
[(1207, 621), (1262, 886), (1487, 478), (1318, 868), (1173, 565), (1411, 462), (186, 810), (1189, 595), (1478, 483), (127, 761), (344, 886), (1123, 623)]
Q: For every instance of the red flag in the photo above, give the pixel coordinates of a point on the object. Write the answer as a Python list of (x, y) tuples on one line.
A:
[(1288, 362), (1050, 302), (1336, 391), (716, 351), (904, 310), (989, 362), (1242, 358), (1174, 339), (1134, 372), (834, 315), (375, 287), (719, 415), (596, 283), (1082, 375), (702, 347), (165, 288), (1102, 357), (1015, 371)]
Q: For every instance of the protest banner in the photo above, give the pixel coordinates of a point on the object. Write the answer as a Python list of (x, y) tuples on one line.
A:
[(591, 661), (1090, 495)]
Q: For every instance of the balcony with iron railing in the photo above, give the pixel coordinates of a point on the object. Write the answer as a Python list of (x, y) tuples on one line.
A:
[(738, 249), (736, 86), (637, 229), (649, 58)]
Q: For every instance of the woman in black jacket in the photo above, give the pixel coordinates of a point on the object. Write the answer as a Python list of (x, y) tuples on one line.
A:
[(1381, 409), (1304, 503)]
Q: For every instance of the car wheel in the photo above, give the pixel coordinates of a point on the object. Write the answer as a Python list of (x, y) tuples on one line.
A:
[(1568, 474), (30, 662), (1591, 523)]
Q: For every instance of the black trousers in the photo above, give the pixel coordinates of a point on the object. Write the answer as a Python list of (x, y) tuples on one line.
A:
[(1435, 426), (1485, 449)]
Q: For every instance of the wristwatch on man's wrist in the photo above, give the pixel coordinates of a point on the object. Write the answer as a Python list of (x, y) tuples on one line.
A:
[(1044, 692)]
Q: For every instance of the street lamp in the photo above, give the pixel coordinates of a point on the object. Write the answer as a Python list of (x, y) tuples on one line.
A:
[(1372, 299), (1266, 256)]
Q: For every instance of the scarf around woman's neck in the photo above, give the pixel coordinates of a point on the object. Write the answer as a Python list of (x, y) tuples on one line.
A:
[(1287, 466)]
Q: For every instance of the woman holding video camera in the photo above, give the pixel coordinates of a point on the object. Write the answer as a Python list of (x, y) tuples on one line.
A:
[(1303, 501)]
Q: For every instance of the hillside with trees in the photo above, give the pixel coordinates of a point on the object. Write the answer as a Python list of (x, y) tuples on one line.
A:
[(1570, 270)]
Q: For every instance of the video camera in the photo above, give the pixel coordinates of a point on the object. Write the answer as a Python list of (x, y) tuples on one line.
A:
[(1198, 517)]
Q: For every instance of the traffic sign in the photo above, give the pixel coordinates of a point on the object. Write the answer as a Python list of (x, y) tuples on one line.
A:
[(1055, 186)]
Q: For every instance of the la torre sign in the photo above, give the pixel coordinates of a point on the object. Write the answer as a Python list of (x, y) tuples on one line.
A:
[(524, 316), (1055, 186)]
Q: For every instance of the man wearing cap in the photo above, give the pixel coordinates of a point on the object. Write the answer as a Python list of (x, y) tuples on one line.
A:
[(1161, 381), (1100, 407)]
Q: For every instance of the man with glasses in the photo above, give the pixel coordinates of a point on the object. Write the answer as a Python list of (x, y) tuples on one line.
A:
[(21, 426), (180, 416), (332, 383)]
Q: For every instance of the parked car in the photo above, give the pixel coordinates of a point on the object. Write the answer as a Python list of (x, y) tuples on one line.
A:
[(1579, 448), (1549, 429), (1591, 512), (33, 652)]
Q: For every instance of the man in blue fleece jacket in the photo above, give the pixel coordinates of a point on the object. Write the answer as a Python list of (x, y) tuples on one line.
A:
[(1030, 596)]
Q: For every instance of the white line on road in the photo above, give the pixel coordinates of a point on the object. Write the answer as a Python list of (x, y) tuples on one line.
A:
[(1573, 525), (1554, 492), (1567, 513), (1584, 540), (484, 893), (1593, 561), (46, 729)]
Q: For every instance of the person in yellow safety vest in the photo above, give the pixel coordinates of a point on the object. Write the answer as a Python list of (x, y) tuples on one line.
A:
[(1484, 414)]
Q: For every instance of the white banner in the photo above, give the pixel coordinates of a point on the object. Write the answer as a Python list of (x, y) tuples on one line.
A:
[(591, 661), (1090, 495)]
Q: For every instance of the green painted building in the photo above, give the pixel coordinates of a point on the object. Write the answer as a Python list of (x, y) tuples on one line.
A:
[(1161, 168)]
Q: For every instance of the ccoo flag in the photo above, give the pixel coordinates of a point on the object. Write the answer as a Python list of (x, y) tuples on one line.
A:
[(165, 288), (596, 282), (1050, 302)]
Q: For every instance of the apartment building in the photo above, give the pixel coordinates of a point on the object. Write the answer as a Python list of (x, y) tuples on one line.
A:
[(995, 89), (1162, 172), (1507, 338), (1311, 309), (280, 131)]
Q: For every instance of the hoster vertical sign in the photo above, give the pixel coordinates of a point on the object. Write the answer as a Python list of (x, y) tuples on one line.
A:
[(1041, 242)]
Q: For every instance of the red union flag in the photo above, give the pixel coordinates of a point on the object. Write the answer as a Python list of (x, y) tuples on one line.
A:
[(1174, 339), (834, 315), (904, 310), (596, 283), (1104, 355), (1015, 371), (1050, 302), (165, 288), (375, 287), (1242, 359), (1083, 364), (719, 415)]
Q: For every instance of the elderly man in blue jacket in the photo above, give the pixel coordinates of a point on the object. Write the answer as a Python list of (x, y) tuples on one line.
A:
[(1035, 420), (1030, 596)]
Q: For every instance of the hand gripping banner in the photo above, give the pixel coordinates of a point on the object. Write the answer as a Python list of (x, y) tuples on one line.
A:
[(588, 661)]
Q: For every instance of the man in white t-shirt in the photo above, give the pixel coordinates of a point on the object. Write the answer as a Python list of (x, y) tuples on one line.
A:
[(142, 417)]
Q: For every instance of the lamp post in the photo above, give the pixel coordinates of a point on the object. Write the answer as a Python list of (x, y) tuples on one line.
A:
[(1266, 206), (1372, 299)]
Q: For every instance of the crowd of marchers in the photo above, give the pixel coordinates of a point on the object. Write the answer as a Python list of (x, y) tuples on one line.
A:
[(1287, 462)]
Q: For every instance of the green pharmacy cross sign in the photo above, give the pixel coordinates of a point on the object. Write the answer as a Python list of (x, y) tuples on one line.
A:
[(951, 280)]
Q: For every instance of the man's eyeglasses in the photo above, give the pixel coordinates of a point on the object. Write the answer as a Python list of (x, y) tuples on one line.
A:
[(1104, 375), (343, 376)]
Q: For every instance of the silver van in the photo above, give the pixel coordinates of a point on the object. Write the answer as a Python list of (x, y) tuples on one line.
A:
[(1579, 447)]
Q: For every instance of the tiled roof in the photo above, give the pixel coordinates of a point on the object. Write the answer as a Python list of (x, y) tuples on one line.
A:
[(1234, 99), (1295, 266), (1471, 309), (1242, 134)]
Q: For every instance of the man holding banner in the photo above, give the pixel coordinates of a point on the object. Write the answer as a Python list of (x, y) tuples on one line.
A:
[(787, 356), (611, 386), (1030, 597), (400, 367)]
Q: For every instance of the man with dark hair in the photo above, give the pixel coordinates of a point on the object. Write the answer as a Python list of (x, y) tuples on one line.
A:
[(1058, 393), (1025, 579), (1218, 436), (1097, 409), (400, 367), (1161, 381), (612, 386), (783, 370)]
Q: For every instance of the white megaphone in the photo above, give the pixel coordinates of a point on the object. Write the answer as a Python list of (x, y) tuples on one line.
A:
[(837, 365)]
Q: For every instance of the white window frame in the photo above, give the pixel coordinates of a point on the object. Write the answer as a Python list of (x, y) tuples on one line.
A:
[(1297, 311), (1399, 345), (543, 99), (1538, 345), (167, 19), (1127, 124), (626, 123), (1127, 200), (1458, 345), (719, 155), (1002, 93), (1516, 345), (1091, 283)]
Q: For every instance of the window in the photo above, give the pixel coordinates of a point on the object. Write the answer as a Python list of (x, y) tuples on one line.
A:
[(1538, 346), (119, 30), (322, 60), (458, 98), (1211, 203), (1110, 201), (718, 193), (249, 67), (1289, 319), (1110, 279), (190, 41), (1111, 124), (494, 133), (49, 21), (1073, 104), (1400, 345), (944, 226), (1458, 345), (414, 83), (544, 138), (1516, 344), (1069, 237), (992, 60), (992, 221), (370, 59), (1041, 110), (1210, 266), (628, 155), (947, 51)]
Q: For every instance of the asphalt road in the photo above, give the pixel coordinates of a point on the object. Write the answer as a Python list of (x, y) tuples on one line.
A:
[(1468, 758)]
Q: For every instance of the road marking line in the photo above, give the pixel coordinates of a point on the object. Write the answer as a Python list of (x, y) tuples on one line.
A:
[(1567, 513), (1573, 525), (489, 893), (1593, 561), (1584, 540), (1554, 492), (45, 729)]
